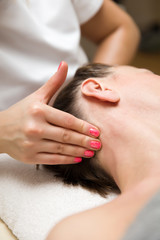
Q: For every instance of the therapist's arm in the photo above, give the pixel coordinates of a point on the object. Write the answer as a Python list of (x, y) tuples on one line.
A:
[(115, 33), (35, 133)]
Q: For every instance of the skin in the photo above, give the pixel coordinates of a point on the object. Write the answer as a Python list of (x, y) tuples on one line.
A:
[(126, 106), (117, 36), (35, 133)]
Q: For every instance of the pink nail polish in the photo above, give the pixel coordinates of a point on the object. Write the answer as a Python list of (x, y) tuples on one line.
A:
[(95, 144), (89, 153), (94, 132), (60, 65), (77, 160)]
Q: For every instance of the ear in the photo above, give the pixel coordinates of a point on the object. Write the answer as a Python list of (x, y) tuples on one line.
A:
[(95, 88)]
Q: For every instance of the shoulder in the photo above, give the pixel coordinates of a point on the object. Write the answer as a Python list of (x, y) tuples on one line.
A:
[(80, 226), (97, 223), (67, 229), (85, 10)]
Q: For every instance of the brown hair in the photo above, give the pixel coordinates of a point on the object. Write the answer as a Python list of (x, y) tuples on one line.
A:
[(88, 173)]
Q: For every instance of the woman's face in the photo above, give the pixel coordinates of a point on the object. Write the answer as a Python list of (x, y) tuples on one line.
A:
[(140, 79), (139, 89), (139, 98), (136, 88)]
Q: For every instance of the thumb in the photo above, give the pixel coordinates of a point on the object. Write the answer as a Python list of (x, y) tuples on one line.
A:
[(47, 91)]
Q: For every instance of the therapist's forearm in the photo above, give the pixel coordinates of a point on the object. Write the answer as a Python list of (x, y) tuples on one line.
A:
[(119, 47)]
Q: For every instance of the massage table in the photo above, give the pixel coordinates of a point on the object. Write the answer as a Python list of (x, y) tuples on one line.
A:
[(33, 201)]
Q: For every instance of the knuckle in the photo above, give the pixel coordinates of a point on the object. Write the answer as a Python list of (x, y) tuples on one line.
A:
[(78, 152), (69, 121), (31, 129), (36, 109), (59, 148), (84, 141), (82, 126), (26, 145), (65, 136), (64, 159)]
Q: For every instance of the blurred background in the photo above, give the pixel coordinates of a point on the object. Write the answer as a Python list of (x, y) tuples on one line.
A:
[(146, 14)]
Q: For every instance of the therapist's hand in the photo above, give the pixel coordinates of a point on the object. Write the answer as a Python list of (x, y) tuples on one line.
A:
[(33, 132)]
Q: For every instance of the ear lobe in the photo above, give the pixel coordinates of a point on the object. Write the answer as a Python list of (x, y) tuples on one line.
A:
[(94, 88)]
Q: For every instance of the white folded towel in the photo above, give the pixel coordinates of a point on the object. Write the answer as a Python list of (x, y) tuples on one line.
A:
[(32, 202)]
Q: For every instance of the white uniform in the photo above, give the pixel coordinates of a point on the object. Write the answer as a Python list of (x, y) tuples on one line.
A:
[(35, 36)]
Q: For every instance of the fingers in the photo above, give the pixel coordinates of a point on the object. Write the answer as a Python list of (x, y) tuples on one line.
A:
[(47, 91), (67, 136), (68, 121), (64, 149), (53, 159)]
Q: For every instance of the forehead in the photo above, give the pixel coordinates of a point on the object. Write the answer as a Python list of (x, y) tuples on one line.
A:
[(136, 79), (129, 73), (130, 69)]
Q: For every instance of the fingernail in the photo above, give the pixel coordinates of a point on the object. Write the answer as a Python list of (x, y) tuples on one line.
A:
[(95, 144), (89, 153), (77, 160), (60, 65), (94, 132)]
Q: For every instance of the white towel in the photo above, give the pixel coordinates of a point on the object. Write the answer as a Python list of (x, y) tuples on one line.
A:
[(32, 202)]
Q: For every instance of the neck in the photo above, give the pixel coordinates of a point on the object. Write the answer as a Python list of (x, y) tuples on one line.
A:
[(131, 155)]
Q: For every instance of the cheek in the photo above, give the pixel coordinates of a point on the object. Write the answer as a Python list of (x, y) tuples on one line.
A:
[(141, 91)]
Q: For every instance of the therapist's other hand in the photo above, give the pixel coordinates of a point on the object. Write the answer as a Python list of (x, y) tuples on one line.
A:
[(33, 132)]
